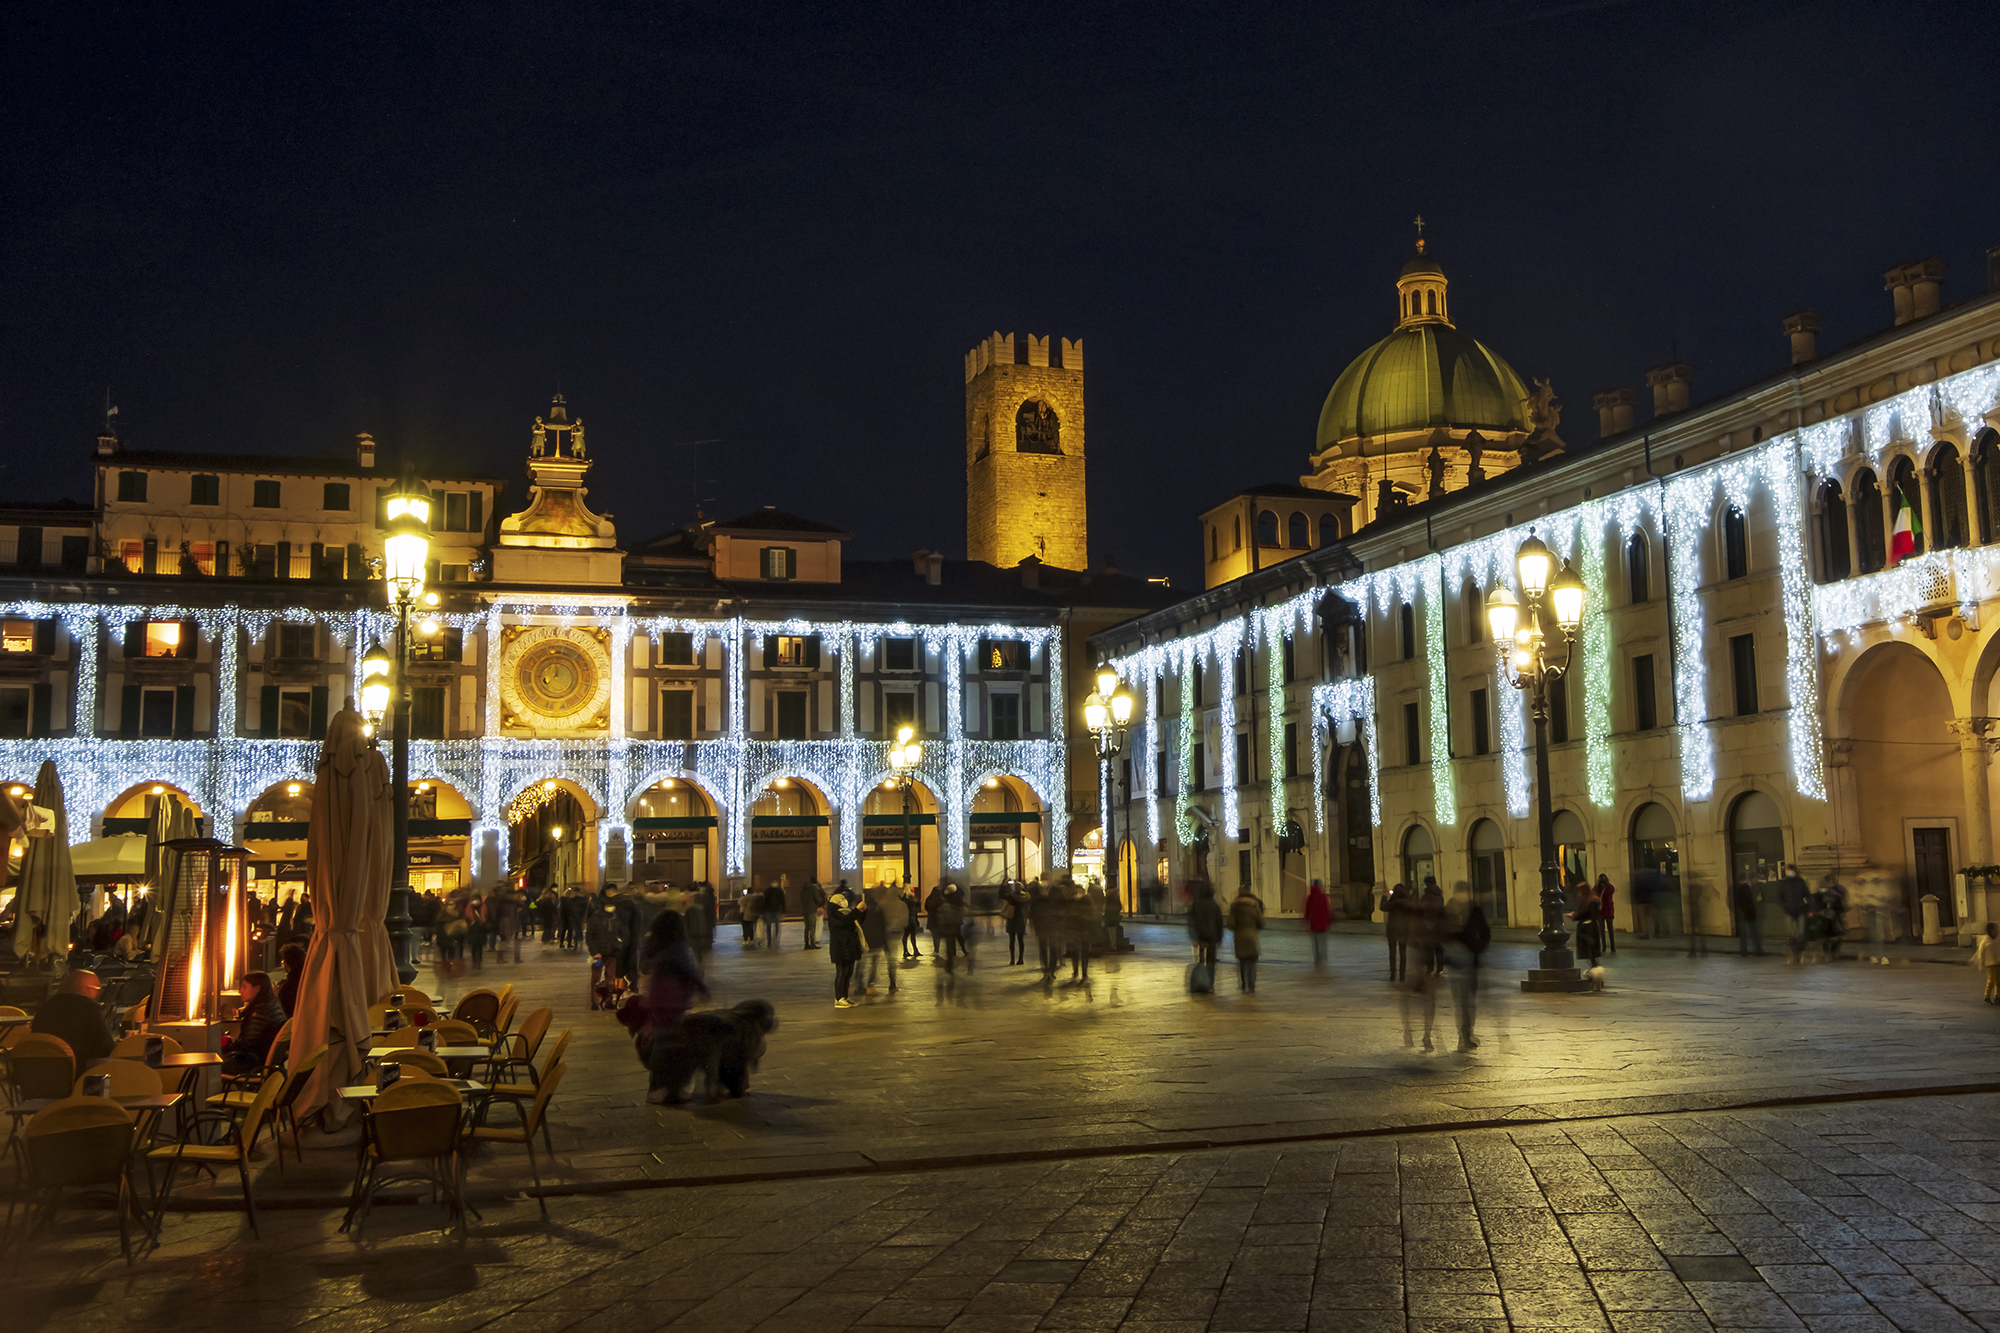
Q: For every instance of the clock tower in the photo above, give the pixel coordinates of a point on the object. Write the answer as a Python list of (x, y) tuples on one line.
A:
[(556, 539), (1024, 452)]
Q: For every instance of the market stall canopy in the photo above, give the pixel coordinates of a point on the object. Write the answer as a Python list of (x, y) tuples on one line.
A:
[(110, 860)]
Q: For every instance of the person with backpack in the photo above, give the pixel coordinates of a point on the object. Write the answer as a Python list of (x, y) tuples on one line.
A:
[(1319, 920), (1204, 927)]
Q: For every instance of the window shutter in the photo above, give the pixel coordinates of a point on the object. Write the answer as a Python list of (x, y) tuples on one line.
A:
[(38, 709), (454, 645), (222, 560), (267, 711), (770, 651), (135, 638), (45, 637), (183, 712), (319, 712), (475, 511), (284, 569), (318, 560), (190, 639), (791, 559), (357, 569), (812, 652), (128, 711)]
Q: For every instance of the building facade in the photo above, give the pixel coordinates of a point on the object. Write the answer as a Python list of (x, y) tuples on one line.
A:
[(1758, 680)]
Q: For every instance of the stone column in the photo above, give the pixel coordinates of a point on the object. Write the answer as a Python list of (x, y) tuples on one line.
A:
[(1853, 513), (1975, 745)]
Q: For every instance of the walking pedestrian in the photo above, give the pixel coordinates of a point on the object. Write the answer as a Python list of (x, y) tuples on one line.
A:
[(1080, 922), (1319, 920), (748, 903), (912, 938), (606, 935), (475, 929), (1399, 910), (947, 913), (575, 911), (1430, 911), (1987, 956), (508, 922), (1589, 941), (1466, 941), (1608, 912), (1743, 904), (1246, 926), (1834, 904), (844, 911), (673, 979), (700, 921), (1796, 900), (1642, 904), (880, 928), (1204, 925), (547, 904), (1044, 911), (773, 912), (812, 903), (1014, 912)]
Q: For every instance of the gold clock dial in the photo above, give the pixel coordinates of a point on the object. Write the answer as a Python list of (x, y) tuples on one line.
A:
[(556, 680)]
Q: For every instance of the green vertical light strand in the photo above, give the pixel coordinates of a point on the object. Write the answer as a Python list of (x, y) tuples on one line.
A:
[(1593, 558), (1445, 804)]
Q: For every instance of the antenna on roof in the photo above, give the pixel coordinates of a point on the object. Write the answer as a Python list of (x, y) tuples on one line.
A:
[(699, 498)]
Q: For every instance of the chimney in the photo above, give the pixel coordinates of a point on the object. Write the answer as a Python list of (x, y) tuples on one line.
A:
[(364, 450), (1031, 573), (934, 568), (920, 558), (1804, 329), (1672, 386), (1926, 287), (1614, 411), (107, 444)]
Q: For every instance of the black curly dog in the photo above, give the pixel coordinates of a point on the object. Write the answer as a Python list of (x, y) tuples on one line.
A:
[(722, 1045)]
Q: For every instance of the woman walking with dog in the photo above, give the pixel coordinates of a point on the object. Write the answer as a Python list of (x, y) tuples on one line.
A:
[(672, 981)]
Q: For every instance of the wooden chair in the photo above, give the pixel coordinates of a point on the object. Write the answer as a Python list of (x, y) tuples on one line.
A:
[(8, 1036), (129, 1078), (411, 995), (400, 1037), (239, 1137), (505, 1022), (534, 1118), (236, 1101), (79, 1141), (379, 1014), (479, 1008), (39, 1065), (516, 1051), (455, 1032), (133, 1047), (418, 1120)]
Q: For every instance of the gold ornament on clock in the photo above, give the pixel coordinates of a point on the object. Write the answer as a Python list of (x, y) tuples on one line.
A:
[(556, 680)]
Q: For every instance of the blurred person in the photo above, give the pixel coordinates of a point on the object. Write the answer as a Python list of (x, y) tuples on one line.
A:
[(773, 911), (948, 927), (1643, 883), (74, 1014), (673, 979), (1419, 993), (1743, 905), (699, 921), (1589, 940), (450, 929), (1079, 924), (575, 912), (607, 935), (1246, 927), (812, 904), (1319, 920), (1430, 908), (912, 936), (749, 903), (293, 957), (844, 911), (547, 904), (880, 927), (508, 912), (475, 928), (1796, 902), (1014, 913), (1833, 907), (1204, 924), (1607, 908), (1045, 915), (1464, 943), (1399, 906), (1986, 957)]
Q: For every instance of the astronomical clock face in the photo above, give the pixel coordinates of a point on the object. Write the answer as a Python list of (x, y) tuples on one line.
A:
[(556, 679)]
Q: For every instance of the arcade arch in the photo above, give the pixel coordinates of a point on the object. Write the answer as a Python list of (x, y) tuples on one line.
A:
[(1907, 805), (552, 835), (790, 834), (675, 827), (1005, 832)]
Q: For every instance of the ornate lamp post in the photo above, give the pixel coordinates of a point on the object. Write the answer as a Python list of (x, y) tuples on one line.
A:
[(1105, 713), (1532, 667), (385, 687), (904, 756)]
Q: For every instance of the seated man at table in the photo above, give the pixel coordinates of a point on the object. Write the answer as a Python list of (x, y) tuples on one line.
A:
[(258, 1022), (74, 1015), (293, 956)]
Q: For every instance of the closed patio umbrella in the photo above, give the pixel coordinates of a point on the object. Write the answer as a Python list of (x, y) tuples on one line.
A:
[(348, 963), (47, 895)]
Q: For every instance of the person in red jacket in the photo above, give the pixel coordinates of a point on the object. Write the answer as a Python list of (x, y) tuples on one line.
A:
[(1319, 919)]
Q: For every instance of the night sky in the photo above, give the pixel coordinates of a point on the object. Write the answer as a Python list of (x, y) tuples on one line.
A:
[(784, 227)]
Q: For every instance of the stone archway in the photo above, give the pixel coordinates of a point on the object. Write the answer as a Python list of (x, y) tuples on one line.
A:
[(1906, 812)]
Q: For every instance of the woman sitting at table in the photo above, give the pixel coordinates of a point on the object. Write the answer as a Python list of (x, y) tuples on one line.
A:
[(259, 1020)]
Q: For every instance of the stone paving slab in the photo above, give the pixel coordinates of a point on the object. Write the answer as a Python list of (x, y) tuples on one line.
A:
[(1868, 1215)]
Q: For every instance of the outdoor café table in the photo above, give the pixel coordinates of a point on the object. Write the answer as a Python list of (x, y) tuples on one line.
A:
[(365, 1093), (190, 1064), (146, 1111), (15, 1020), (368, 1092), (458, 1059)]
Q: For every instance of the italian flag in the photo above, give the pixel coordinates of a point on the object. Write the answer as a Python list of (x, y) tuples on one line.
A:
[(1909, 527)]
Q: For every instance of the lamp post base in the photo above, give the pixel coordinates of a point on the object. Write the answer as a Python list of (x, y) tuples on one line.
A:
[(1554, 980)]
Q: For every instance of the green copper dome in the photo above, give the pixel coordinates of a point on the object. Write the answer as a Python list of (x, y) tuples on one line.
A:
[(1421, 376)]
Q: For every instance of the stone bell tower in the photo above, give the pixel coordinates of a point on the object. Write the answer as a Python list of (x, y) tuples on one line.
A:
[(1024, 453)]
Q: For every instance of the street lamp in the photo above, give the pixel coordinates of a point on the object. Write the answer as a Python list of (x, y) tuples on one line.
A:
[(904, 756), (385, 684), (1531, 666), (1105, 713)]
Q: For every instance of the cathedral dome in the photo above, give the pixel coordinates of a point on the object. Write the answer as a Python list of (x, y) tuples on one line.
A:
[(1423, 376)]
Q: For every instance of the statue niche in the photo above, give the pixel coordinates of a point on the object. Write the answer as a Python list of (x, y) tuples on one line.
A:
[(1036, 429)]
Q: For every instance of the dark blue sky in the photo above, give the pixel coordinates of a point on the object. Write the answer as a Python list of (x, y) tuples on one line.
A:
[(783, 226)]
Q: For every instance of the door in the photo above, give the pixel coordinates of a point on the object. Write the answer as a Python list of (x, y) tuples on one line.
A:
[(1931, 853)]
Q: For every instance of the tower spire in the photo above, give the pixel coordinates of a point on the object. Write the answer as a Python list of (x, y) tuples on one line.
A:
[(1420, 233)]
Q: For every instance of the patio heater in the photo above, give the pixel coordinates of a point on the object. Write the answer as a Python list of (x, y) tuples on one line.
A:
[(203, 940)]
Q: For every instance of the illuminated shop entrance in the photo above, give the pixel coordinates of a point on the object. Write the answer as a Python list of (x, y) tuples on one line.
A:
[(673, 831)]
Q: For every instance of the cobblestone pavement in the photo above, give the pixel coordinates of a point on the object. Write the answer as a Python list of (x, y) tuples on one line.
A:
[(1875, 1215)]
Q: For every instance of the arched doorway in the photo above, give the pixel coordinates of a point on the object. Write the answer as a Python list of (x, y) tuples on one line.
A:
[(1005, 832), (1419, 857), (1757, 853), (440, 836), (552, 837), (274, 833), (1572, 848), (896, 850), (673, 833), (1656, 873), (788, 835), (1488, 851), (129, 810), (1908, 782)]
